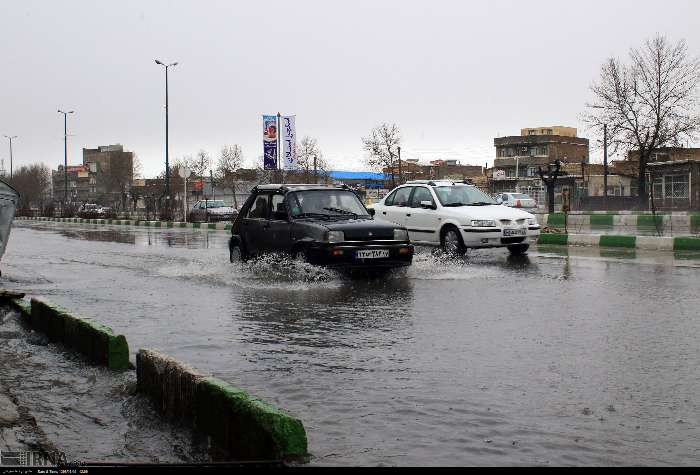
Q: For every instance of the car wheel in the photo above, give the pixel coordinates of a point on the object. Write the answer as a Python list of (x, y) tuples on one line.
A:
[(518, 249), (235, 255), (452, 242)]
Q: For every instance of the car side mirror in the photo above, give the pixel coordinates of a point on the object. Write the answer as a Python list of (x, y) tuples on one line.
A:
[(427, 205), (371, 211)]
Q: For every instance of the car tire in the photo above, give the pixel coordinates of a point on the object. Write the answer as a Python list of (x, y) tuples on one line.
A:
[(237, 253), (451, 241), (518, 249)]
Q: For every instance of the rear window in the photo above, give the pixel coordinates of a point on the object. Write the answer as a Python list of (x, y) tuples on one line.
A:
[(520, 196)]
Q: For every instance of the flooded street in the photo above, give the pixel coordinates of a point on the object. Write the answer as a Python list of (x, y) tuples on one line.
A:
[(584, 357)]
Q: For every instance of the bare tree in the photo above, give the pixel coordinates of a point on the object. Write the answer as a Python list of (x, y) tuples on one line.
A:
[(651, 102), (116, 181), (310, 159), (382, 147), (138, 167), (33, 182), (230, 161)]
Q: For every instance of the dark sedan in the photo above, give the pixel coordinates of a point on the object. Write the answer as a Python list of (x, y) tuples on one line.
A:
[(322, 225)]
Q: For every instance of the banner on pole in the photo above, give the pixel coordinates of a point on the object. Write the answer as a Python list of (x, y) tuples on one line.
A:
[(270, 142), (289, 140)]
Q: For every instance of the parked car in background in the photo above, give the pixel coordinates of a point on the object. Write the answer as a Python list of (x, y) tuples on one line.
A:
[(457, 216), (105, 212), (516, 200), (90, 211), (212, 210), (320, 225)]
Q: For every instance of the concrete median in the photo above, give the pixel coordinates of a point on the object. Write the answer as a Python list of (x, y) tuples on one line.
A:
[(652, 243), (95, 341), (238, 426)]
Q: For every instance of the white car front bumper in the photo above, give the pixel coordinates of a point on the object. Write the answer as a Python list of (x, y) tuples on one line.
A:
[(499, 237)]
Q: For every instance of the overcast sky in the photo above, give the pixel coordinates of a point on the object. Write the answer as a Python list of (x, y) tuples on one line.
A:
[(451, 74)]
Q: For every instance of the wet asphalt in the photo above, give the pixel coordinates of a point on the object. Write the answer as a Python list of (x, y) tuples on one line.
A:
[(564, 357)]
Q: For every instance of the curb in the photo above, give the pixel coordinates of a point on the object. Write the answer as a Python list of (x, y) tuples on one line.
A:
[(652, 243), (135, 223), (239, 426), (95, 341), (689, 223)]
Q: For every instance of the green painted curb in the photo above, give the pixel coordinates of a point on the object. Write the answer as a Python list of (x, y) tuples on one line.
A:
[(227, 227), (601, 220), (556, 219), (244, 427), (183, 225), (97, 342), (686, 244), (618, 241), (552, 238), (212, 226), (195, 225), (170, 224), (650, 221), (694, 223)]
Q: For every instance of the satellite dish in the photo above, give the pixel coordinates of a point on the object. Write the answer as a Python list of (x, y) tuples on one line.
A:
[(184, 172)]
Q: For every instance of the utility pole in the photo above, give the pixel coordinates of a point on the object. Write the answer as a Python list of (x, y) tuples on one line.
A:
[(400, 174), (315, 171), (167, 162), (65, 157), (605, 165), (10, 138)]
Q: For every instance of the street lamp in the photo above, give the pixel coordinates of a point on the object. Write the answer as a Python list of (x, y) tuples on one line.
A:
[(167, 162), (605, 159), (65, 156), (10, 138)]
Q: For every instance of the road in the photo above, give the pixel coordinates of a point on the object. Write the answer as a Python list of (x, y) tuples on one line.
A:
[(566, 357)]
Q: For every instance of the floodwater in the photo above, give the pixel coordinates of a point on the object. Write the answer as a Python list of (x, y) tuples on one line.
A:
[(565, 357)]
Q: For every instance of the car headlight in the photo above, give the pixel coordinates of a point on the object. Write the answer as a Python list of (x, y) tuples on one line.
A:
[(400, 235), (484, 223), (336, 236), (532, 221)]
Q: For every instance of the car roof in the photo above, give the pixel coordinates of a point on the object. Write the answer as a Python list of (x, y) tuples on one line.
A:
[(438, 183), (299, 187)]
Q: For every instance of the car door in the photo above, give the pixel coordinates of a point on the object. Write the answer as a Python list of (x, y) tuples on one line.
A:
[(254, 225), (277, 232), (397, 206), (422, 222)]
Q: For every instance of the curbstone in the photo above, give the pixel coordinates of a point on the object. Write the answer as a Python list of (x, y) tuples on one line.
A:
[(618, 241), (556, 219), (605, 220), (584, 239), (246, 428), (239, 426), (686, 244), (551, 238), (654, 243), (96, 341)]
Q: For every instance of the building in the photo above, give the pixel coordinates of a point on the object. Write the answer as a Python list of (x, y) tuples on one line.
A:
[(519, 157), (435, 170), (675, 184), (114, 173), (82, 183)]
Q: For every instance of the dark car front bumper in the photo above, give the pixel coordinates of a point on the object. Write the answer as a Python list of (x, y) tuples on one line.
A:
[(344, 255)]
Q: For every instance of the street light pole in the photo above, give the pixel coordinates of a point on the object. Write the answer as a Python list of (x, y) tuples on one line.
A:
[(10, 138), (167, 149), (65, 156)]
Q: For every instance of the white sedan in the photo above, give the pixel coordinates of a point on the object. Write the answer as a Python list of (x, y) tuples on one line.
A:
[(516, 200), (457, 216)]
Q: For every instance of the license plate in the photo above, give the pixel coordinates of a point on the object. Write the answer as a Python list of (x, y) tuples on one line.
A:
[(513, 232), (372, 254)]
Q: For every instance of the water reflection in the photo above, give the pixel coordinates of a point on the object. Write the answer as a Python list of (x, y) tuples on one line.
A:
[(326, 316)]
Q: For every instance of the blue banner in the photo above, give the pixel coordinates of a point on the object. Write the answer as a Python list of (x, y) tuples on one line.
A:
[(270, 142)]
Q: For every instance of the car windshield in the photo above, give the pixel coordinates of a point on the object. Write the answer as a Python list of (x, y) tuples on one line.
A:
[(332, 203), (215, 204), (462, 195)]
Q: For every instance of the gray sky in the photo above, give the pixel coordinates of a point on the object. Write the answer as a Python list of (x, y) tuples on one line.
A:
[(451, 74)]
